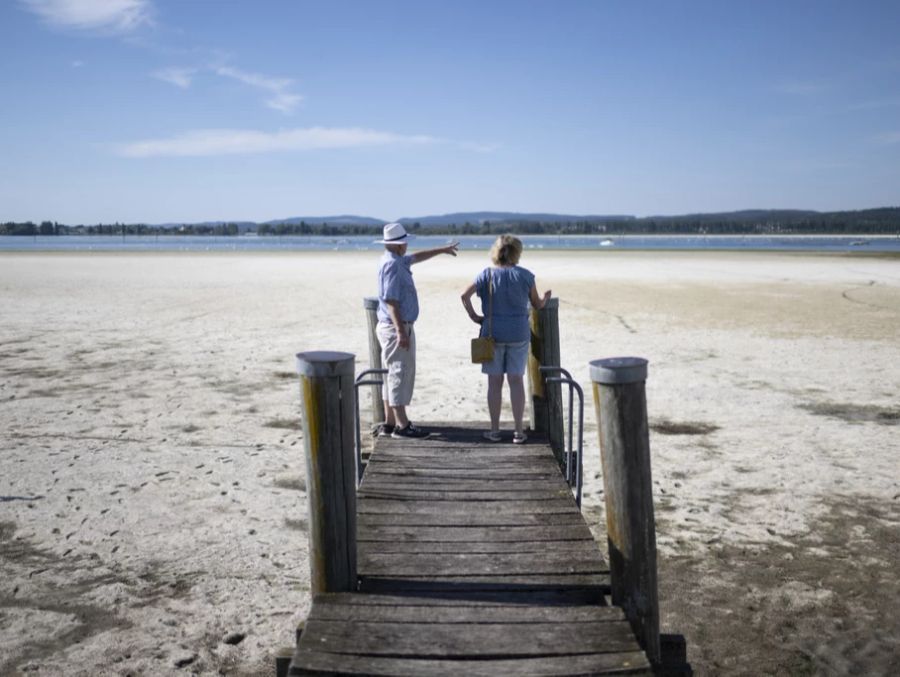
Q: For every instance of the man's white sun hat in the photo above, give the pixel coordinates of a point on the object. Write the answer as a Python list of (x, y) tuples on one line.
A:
[(394, 233)]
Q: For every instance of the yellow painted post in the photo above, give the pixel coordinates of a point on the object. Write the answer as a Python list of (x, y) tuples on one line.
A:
[(546, 398), (327, 390)]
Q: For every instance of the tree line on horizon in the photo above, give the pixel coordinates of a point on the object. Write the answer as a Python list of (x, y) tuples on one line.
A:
[(870, 221)]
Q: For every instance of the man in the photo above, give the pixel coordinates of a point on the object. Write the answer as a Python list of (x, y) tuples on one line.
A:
[(398, 309)]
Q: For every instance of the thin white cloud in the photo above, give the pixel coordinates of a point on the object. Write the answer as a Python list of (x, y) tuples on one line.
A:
[(116, 16), (213, 142), (180, 77), (123, 17), (77, 63), (284, 102), (888, 138), (280, 97), (254, 79)]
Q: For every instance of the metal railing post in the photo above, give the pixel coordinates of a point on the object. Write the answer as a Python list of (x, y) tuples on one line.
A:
[(569, 448), (360, 381), (574, 456)]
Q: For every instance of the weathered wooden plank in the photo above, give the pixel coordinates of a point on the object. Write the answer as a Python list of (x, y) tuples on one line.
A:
[(463, 519), (373, 505), (537, 473), (468, 564), (500, 484), (399, 609), (458, 461), (498, 640), (316, 662), (574, 532), (482, 485), (476, 468), (585, 548), (412, 449), (437, 495), (463, 433), (455, 454), (477, 471), (512, 489), (349, 599), (595, 584), (511, 614), (530, 471), (521, 597)]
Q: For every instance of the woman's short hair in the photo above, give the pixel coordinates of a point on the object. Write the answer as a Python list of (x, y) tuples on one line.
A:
[(506, 250)]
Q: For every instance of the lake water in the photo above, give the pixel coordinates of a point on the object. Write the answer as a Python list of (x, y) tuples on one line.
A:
[(188, 243)]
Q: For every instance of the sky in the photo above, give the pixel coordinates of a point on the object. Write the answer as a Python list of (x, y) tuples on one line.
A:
[(161, 111)]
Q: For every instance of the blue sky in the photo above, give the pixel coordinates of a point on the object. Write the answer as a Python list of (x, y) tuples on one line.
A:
[(164, 111)]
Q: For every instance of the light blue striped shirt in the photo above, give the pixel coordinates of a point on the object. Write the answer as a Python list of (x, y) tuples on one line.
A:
[(395, 283)]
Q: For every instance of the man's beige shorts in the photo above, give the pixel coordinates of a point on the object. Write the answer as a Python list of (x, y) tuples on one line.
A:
[(400, 363)]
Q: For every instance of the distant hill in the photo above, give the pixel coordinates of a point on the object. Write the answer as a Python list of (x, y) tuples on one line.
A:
[(498, 218), (743, 216), (345, 220), (776, 221), (884, 220)]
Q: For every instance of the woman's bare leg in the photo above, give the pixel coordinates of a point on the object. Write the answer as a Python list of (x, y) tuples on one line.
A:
[(517, 398), (495, 399)]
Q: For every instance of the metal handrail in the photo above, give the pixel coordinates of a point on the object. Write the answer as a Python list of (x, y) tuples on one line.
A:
[(356, 385), (579, 466), (568, 450)]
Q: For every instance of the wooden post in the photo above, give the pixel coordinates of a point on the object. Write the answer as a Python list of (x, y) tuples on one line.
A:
[(371, 306), (546, 399), (621, 406), (326, 385)]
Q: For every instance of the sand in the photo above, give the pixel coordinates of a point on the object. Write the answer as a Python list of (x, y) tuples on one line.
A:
[(152, 506)]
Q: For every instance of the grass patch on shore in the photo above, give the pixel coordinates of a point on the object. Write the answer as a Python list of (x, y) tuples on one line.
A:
[(664, 426), (854, 413), (283, 423)]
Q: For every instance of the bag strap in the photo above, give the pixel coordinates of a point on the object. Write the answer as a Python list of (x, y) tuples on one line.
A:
[(490, 302)]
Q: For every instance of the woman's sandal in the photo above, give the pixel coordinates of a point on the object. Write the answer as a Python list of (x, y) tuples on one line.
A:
[(519, 438), (491, 435)]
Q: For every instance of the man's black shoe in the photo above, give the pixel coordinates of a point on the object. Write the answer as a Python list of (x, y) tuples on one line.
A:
[(410, 431), (383, 430)]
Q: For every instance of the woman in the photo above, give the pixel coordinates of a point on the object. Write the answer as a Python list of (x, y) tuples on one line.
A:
[(512, 288)]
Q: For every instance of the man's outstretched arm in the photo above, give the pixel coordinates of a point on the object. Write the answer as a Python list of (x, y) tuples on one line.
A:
[(426, 254)]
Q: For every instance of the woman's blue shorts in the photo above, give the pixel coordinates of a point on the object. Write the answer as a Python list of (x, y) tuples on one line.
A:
[(509, 358)]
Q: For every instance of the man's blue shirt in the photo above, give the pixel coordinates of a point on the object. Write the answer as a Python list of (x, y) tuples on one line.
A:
[(395, 283)]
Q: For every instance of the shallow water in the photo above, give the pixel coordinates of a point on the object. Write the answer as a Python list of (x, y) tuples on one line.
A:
[(195, 243)]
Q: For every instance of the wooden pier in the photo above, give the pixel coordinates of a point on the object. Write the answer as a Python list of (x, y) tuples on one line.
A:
[(473, 559), (460, 556)]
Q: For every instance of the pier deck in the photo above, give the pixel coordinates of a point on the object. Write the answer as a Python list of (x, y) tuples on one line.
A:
[(473, 559)]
